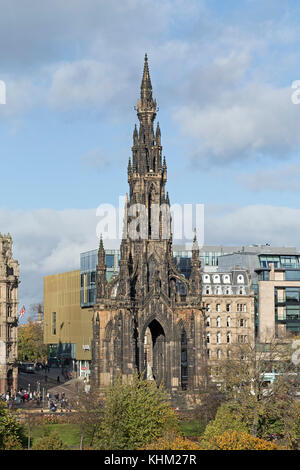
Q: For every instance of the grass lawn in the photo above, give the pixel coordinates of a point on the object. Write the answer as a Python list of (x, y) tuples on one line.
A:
[(192, 428), (69, 433)]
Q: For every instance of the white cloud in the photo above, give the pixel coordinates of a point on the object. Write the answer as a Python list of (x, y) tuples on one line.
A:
[(21, 95), (253, 224), (86, 83), (256, 120)]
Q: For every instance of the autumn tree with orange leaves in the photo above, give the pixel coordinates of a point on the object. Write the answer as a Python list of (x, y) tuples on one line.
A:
[(234, 440), (30, 342)]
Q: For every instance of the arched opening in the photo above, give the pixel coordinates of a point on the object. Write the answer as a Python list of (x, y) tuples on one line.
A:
[(154, 352), (184, 364)]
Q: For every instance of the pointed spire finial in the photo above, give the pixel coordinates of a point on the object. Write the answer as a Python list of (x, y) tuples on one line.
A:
[(101, 251), (146, 87), (195, 241), (167, 199)]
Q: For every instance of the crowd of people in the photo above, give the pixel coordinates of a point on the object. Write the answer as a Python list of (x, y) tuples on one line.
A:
[(20, 397), (58, 402), (54, 402)]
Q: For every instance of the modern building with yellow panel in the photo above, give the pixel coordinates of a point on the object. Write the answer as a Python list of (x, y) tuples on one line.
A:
[(67, 326)]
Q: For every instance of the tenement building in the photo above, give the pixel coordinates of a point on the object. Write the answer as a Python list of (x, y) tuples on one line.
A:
[(9, 280), (149, 316), (229, 308), (275, 274)]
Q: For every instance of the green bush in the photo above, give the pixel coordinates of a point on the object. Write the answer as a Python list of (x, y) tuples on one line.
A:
[(11, 433), (227, 419), (135, 414), (50, 442)]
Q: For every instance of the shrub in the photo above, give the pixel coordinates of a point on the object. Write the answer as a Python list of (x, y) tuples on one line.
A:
[(227, 419), (232, 440), (135, 414), (51, 442), (172, 442), (11, 433)]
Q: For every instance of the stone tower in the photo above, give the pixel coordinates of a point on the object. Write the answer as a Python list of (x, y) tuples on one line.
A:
[(9, 280), (148, 318)]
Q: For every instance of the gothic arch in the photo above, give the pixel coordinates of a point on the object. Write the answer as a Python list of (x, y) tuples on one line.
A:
[(155, 358), (158, 318), (108, 331), (180, 325)]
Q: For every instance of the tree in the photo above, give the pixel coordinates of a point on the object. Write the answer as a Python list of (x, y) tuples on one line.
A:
[(233, 440), (228, 418), (11, 433), (135, 414), (89, 412), (50, 442), (30, 342), (268, 411), (209, 398)]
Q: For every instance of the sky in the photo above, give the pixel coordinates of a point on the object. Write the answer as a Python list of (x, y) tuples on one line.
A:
[(222, 74)]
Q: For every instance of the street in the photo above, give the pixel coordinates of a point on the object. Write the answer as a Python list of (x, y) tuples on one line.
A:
[(40, 379)]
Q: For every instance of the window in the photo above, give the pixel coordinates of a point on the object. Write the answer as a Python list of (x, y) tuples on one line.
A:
[(218, 308), (228, 337), (227, 307), (228, 322), (219, 353), (218, 322), (208, 321), (242, 322), (218, 337), (208, 338), (240, 279), (207, 291), (208, 353), (242, 339), (93, 277), (241, 307), (229, 354), (109, 261), (241, 291), (54, 323), (208, 307)]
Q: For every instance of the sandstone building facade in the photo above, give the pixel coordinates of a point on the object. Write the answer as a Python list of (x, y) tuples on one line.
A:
[(228, 298), (9, 280)]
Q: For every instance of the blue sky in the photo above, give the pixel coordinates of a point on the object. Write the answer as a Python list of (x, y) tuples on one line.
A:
[(221, 73)]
